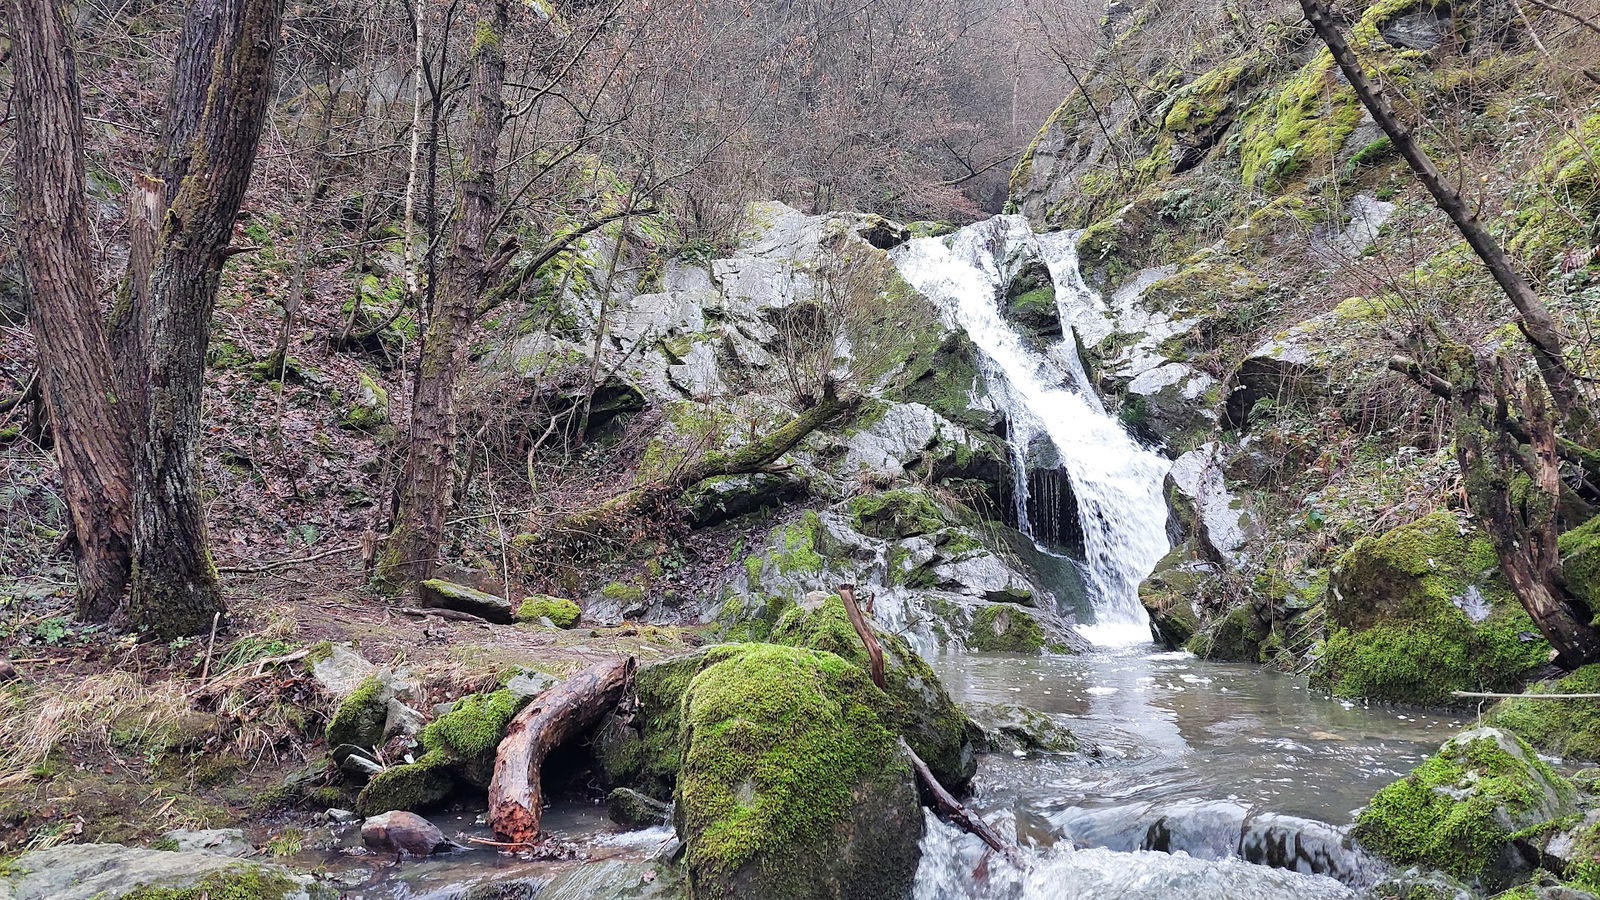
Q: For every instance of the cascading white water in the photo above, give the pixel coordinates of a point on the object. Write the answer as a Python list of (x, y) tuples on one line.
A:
[(1116, 481)]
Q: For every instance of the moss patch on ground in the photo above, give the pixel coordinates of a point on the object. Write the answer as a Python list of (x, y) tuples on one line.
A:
[(561, 612)]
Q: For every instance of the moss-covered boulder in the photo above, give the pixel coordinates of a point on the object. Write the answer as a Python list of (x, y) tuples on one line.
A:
[(360, 717), (1566, 728), (895, 514), (918, 706), (1168, 597), (561, 612), (1003, 628), (448, 594), (368, 407), (457, 747), (411, 786), (1420, 611), (1235, 637), (1580, 562), (792, 784), (1463, 810), (639, 747)]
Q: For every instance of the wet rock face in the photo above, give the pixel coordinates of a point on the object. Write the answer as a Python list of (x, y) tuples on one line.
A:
[(111, 871), (403, 832), (628, 807)]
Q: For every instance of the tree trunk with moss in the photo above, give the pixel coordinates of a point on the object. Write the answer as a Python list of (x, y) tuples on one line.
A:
[(87, 416), (422, 495), (220, 93), (751, 457), (1515, 489)]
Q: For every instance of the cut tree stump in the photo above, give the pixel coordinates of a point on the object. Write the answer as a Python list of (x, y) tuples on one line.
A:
[(554, 717)]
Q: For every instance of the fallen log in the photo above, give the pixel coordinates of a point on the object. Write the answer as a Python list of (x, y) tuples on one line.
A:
[(554, 717)]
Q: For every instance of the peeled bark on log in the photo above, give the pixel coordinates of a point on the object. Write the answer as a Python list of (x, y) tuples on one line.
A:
[(554, 717), (847, 593)]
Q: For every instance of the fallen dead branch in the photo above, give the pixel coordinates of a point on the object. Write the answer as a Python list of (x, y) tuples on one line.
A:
[(550, 720), (454, 615), (943, 800)]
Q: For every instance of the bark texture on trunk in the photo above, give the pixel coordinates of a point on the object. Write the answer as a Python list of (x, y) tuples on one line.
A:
[(222, 85), (516, 798), (1534, 319), (87, 417), (423, 492), (1515, 488)]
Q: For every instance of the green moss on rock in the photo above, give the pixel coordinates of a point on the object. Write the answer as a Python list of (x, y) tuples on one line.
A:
[(919, 707), (1567, 728), (792, 786), (243, 882), (412, 786), (1399, 634), (1580, 562), (1236, 637), (1459, 810), (895, 514), (360, 718), (561, 612), (643, 751), (1004, 628), (470, 732)]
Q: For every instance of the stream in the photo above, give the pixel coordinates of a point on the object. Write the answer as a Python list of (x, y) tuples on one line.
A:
[(1193, 779)]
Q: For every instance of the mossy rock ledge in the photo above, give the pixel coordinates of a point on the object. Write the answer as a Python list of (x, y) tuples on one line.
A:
[(793, 786), (1420, 611), (1468, 809)]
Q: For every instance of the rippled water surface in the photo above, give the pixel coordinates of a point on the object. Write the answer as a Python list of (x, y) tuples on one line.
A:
[(1169, 727)]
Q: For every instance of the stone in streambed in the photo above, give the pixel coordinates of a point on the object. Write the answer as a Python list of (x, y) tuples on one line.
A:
[(398, 831), (223, 841), (626, 806), (112, 872), (1468, 809)]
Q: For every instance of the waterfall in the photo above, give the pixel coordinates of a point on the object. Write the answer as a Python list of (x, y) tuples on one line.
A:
[(1117, 483)]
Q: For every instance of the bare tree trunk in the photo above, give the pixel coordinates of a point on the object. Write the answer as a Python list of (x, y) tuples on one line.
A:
[(1535, 321), (88, 422), (221, 88), (516, 799), (422, 495)]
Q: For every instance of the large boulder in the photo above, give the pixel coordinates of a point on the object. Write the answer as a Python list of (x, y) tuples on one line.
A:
[(1464, 810), (792, 785), (1420, 611), (920, 709), (112, 872)]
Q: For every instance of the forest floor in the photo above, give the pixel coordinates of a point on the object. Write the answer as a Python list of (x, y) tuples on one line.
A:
[(104, 738)]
